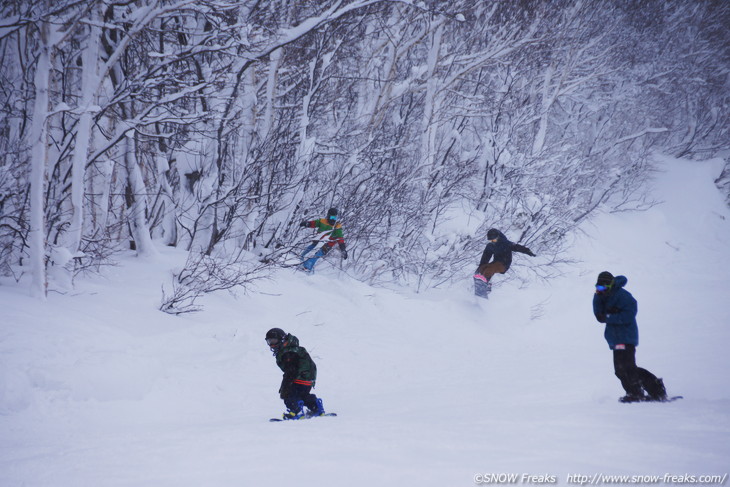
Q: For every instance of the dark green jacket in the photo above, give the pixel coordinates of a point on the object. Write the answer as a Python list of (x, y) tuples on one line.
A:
[(295, 362)]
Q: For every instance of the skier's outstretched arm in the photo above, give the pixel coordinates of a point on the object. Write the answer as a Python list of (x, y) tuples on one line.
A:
[(522, 249)]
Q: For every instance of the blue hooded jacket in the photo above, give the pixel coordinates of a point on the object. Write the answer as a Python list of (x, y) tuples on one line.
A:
[(617, 308)]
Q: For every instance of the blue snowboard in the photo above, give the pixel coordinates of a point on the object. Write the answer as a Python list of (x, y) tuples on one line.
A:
[(306, 416)]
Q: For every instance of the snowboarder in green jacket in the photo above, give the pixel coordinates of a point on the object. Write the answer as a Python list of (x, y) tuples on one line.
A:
[(330, 232), (300, 374)]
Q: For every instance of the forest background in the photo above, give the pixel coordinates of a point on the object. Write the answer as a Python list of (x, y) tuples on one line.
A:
[(217, 126)]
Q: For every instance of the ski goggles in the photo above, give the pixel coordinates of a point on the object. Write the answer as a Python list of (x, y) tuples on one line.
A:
[(333, 217), (600, 288), (272, 341)]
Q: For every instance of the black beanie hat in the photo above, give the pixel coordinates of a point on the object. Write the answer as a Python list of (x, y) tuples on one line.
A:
[(492, 234), (605, 278)]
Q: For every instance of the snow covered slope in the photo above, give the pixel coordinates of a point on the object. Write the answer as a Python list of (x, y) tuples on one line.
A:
[(98, 388)]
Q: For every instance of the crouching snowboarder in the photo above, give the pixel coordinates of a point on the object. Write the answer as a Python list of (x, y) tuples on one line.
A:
[(500, 249), (617, 308), (300, 374)]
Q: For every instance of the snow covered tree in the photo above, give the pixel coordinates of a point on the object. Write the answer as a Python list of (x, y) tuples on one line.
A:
[(217, 125)]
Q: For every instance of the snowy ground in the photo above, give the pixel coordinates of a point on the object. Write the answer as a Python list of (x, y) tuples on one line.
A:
[(98, 388)]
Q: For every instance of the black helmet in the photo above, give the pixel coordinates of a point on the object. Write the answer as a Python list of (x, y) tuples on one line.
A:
[(332, 212), (275, 337), (492, 234), (605, 279)]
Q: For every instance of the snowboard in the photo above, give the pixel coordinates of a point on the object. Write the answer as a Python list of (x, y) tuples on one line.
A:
[(668, 399), (296, 264), (482, 287), (671, 398), (276, 420), (299, 267)]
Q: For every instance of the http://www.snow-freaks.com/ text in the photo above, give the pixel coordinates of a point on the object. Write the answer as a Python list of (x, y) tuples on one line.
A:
[(599, 479)]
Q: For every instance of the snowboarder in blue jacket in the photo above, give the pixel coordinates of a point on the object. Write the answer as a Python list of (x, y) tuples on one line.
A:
[(617, 308)]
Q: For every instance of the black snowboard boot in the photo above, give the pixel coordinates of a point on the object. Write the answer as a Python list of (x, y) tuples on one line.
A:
[(657, 391), (631, 398)]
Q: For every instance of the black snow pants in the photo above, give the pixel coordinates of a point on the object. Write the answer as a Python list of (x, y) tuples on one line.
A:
[(299, 392), (634, 379)]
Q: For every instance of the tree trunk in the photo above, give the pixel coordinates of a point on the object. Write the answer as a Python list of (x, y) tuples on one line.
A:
[(136, 192), (89, 84), (39, 151)]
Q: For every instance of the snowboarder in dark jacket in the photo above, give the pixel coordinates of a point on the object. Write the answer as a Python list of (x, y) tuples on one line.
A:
[(300, 374), (499, 250), (328, 231), (617, 308)]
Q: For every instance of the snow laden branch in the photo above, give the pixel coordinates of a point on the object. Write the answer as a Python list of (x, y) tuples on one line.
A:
[(632, 137), (203, 274), (145, 118)]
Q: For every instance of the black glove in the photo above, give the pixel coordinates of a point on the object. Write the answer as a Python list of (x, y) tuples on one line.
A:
[(344, 255), (305, 223), (601, 318), (284, 390)]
